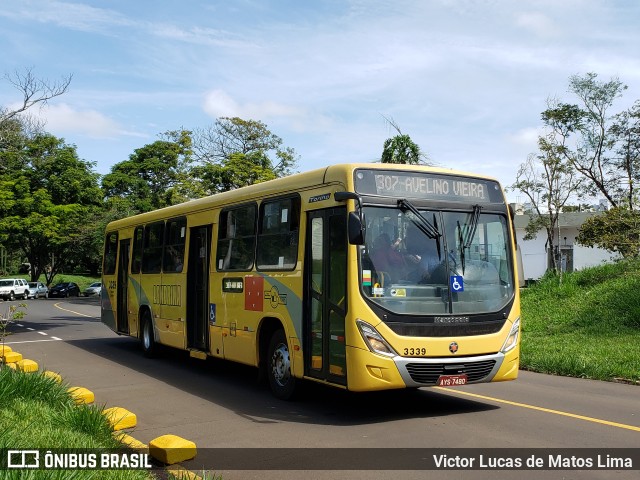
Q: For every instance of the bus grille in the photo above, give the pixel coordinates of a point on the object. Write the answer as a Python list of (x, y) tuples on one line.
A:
[(428, 373)]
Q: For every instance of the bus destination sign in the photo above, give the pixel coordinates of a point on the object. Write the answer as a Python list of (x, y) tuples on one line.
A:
[(427, 185)]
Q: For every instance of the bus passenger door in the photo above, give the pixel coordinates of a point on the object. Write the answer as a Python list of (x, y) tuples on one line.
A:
[(198, 288), (123, 287), (325, 295)]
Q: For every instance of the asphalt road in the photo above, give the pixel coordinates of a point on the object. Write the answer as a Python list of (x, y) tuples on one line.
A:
[(219, 405)]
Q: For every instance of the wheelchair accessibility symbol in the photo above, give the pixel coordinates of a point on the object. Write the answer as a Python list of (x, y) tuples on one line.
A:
[(457, 283)]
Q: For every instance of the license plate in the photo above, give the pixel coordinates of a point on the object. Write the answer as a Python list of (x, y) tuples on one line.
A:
[(452, 380)]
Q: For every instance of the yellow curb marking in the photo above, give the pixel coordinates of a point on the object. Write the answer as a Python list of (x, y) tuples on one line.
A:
[(57, 305), (182, 473), (542, 409)]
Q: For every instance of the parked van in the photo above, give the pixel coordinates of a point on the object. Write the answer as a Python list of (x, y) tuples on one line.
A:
[(12, 288)]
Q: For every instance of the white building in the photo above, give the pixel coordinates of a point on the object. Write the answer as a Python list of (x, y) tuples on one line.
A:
[(536, 255)]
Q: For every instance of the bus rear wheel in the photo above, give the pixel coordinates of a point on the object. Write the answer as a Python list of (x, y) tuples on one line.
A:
[(281, 380), (147, 339)]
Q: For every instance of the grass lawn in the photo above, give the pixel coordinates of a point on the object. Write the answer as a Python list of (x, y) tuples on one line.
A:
[(584, 324), (36, 412)]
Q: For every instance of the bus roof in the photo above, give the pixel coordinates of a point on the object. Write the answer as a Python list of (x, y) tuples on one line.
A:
[(333, 174)]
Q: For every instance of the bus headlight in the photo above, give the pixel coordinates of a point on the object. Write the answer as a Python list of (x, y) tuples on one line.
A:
[(374, 340), (512, 338)]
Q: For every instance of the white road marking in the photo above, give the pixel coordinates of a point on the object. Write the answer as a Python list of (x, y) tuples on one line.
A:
[(53, 339)]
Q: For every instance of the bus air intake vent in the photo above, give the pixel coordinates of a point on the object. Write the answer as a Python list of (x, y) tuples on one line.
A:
[(428, 373), (434, 330)]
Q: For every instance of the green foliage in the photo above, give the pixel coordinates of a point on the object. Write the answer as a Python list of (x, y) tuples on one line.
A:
[(535, 224), (616, 230), (234, 153), (47, 193), (232, 135), (37, 412), (401, 149), (549, 182), (584, 324), (12, 313), (583, 134), (25, 387), (237, 171), (151, 174), (625, 132)]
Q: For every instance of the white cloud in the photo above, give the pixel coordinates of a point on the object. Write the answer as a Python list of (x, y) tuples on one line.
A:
[(526, 137), (218, 103), (66, 120), (76, 16), (538, 24)]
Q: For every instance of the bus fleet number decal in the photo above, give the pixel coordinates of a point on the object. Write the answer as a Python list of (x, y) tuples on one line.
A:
[(415, 352)]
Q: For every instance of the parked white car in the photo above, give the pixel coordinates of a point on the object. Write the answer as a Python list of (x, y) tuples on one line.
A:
[(12, 288), (37, 290), (93, 289)]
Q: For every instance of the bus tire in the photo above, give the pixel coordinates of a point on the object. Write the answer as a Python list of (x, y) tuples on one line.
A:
[(147, 338), (281, 380)]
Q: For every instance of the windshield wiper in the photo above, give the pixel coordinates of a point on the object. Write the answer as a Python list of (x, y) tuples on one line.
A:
[(465, 239), (422, 223), (473, 226)]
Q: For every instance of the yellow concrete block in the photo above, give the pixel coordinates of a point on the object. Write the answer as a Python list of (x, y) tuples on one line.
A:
[(5, 349), (131, 442), (181, 473), (55, 376), (12, 365), (171, 449), (12, 357), (81, 395), (27, 366), (120, 418)]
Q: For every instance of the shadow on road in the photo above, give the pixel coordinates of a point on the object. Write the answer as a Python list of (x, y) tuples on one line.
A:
[(234, 386)]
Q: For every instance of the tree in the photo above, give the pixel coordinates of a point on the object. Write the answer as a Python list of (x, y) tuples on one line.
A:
[(234, 153), (152, 176), (45, 202), (616, 230), (400, 148), (33, 91), (549, 183), (581, 133), (237, 171), (625, 132)]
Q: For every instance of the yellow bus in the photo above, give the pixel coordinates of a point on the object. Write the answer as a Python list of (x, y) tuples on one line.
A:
[(361, 276)]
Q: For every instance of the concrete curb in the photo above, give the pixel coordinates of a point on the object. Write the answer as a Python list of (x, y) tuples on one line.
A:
[(167, 449)]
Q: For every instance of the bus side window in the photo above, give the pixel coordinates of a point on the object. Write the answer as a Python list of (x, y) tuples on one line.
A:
[(237, 238), (136, 262), (152, 251), (173, 253), (110, 253), (278, 235)]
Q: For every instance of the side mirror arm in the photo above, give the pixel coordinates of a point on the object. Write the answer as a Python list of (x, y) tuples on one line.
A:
[(356, 224)]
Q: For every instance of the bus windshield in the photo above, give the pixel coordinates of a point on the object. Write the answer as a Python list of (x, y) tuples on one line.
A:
[(434, 262)]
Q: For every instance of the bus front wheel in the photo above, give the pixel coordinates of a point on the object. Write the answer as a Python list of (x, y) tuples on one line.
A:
[(281, 380), (148, 341)]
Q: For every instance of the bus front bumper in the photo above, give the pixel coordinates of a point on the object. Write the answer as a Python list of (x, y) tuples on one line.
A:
[(381, 373)]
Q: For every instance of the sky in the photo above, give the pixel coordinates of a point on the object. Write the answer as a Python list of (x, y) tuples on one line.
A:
[(467, 80)]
